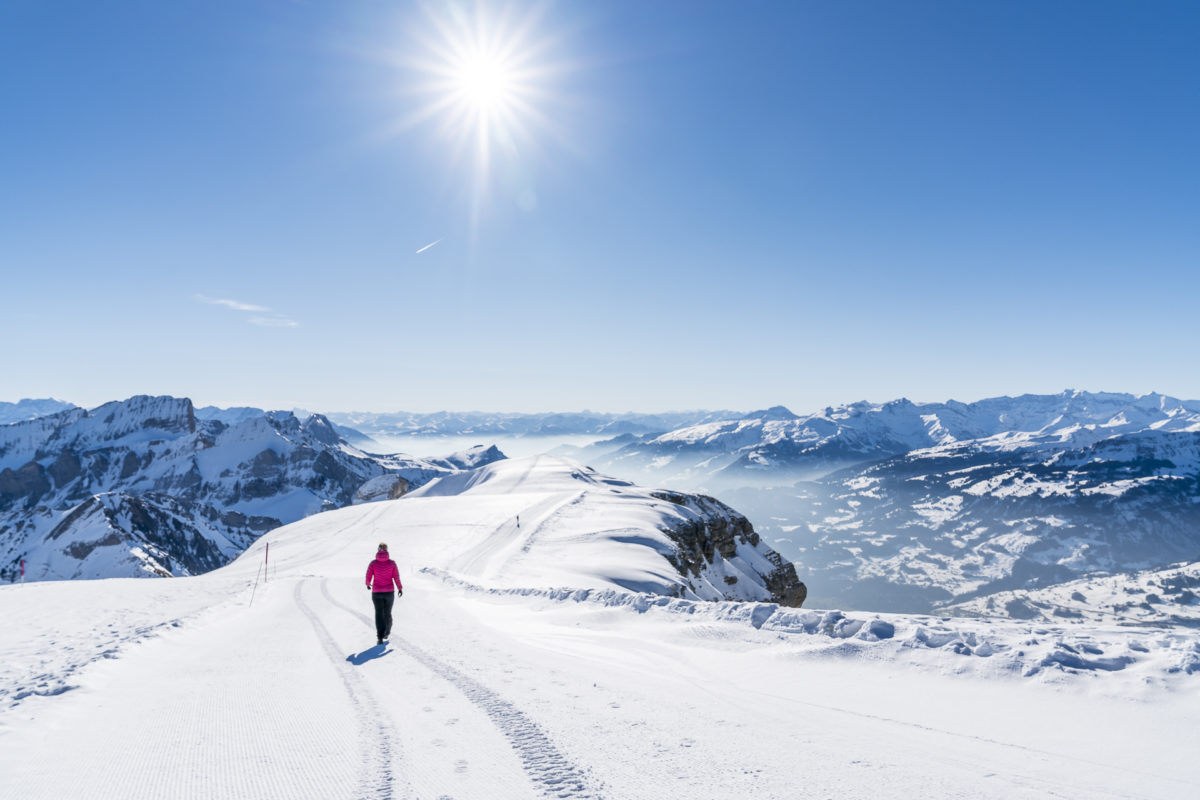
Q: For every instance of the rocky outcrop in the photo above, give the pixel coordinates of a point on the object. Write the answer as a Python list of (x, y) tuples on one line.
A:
[(784, 584), (384, 487), (716, 533)]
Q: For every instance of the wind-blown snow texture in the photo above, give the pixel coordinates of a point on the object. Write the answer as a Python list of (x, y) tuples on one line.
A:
[(910, 506), (528, 669), (144, 487)]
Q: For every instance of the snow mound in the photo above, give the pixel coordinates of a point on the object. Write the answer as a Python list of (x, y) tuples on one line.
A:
[(580, 528)]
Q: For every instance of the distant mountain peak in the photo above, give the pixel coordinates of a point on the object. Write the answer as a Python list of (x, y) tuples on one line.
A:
[(773, 413), (32, 408)]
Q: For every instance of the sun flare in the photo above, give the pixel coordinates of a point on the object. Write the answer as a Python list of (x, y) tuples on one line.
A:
[(484, 77)]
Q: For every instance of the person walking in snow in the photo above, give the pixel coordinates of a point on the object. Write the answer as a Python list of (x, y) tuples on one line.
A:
[(382, 574)]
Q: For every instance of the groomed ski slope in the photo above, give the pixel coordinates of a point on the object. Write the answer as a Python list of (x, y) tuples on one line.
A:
[(522, 668)]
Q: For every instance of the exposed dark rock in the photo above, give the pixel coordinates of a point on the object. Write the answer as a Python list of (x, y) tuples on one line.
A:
[(234, 519), (98, 464), (786, 587), (718, 530), (82, 550), (266, 464), (321, 429), (129, 465), (328, 466), (65, 468), (27, 483)]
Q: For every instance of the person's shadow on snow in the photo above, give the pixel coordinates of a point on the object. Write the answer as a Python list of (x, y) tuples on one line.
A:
[(358, 659)]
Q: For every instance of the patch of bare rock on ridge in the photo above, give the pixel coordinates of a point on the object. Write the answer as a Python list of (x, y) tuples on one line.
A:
[(715, 534)]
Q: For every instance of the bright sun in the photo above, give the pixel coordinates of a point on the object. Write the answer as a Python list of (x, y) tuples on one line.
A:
[(485, 84), (484, 77)]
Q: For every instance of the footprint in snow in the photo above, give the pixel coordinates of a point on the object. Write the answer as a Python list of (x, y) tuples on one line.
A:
[(460, 766)]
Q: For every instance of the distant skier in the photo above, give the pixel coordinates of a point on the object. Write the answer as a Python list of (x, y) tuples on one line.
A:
[(382, 574)]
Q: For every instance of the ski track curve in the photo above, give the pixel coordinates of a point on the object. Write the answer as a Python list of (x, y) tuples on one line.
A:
[(377, 777), (545, 765)]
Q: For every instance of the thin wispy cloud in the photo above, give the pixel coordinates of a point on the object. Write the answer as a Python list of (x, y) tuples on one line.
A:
[(276, 320), (236, 305), (426, 247)]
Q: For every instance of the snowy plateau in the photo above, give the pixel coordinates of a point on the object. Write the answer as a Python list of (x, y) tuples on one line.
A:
[(566, 633)]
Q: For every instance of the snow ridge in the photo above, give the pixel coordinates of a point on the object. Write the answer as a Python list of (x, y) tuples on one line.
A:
[(1048, 652)]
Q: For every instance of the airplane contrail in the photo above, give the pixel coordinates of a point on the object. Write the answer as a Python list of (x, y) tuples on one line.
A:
[(426, 247)]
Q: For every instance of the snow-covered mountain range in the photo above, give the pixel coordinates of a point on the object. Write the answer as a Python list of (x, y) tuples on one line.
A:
[(145, 486), (776, 447), (900, 506), (357, 427), (148, 486), (909, 506), (478, 423)]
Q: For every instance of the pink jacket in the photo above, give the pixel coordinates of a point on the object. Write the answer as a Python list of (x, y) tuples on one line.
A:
[(382, 572)]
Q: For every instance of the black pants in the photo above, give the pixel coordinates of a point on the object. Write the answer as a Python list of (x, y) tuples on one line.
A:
[(383, 612)]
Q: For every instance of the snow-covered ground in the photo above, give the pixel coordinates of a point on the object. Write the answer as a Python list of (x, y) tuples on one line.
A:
[(520, 670)]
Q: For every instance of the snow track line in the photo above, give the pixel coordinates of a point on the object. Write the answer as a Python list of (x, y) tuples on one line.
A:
[(377, 779), (548, 769)]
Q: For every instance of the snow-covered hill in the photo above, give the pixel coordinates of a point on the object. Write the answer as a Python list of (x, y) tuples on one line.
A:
[(523, 666), (144, 487), (582, 529)]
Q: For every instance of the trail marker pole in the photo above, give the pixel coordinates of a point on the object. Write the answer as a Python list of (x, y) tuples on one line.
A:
[(267, 562), (22, 570)]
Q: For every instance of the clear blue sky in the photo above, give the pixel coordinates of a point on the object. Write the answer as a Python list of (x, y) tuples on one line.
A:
[(709, 205)]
